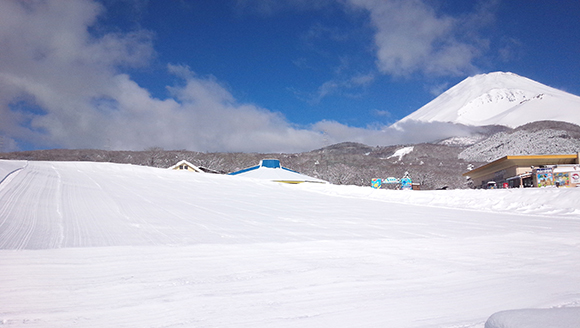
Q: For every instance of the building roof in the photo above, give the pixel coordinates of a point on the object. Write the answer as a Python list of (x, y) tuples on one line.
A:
[(522, 161), (270, 169), (184, 162)]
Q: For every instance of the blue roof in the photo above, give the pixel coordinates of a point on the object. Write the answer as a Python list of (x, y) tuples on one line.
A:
[(268, 163), (270, 169), (245, 170), (271, 163)]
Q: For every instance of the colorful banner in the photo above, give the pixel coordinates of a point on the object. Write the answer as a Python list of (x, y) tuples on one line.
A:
[(562, 179), (376, 183), (544, 177), (406, 183)]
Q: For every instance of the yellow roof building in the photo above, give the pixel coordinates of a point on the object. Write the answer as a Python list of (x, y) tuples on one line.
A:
[(508, 167)]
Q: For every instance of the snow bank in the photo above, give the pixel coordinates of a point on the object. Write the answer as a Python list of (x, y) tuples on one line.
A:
[(561, 202), (536, 318)]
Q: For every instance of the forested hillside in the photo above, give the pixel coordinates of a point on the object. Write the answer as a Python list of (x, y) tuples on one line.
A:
[(433, 165)]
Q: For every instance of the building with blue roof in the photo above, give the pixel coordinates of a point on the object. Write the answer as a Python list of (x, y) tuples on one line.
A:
[(271, 169)]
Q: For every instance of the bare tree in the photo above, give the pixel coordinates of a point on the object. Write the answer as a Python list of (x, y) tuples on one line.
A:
[(154, 154), (340, 174)]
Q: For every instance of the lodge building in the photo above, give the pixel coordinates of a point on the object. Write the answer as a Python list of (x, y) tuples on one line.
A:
[(528, 171)]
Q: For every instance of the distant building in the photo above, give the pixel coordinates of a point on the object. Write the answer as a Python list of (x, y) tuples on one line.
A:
[(528, 171), (186, 166), (270, 169)]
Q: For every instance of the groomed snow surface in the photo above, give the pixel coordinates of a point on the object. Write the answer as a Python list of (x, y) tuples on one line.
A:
[(109, 245)]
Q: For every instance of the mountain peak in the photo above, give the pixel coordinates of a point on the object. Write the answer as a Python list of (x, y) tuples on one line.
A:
[(501, 98)]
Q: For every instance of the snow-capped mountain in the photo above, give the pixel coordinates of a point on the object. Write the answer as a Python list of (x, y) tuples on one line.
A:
[(502, 99)]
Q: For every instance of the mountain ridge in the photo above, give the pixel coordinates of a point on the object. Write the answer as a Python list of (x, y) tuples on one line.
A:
[(435, 165)]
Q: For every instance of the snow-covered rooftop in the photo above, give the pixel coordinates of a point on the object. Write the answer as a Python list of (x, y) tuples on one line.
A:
[(271, 169)]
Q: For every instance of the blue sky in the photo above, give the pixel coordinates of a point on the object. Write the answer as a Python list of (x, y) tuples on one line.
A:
[(259, 75)]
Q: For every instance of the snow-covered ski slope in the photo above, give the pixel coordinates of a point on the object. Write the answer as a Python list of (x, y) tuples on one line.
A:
[(109, 245)]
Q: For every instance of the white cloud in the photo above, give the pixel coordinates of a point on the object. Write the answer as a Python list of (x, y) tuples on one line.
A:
[(411, 36), (438, 89), (50, 61), (381, 113), (61, 86), (269, 7), (349, 87), (408, 132)]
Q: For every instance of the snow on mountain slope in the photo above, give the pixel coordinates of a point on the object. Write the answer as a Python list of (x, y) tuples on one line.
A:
[(402, 152), (111, 245), (499, 98)]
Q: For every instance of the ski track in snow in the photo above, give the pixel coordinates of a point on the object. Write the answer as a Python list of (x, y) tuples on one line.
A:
[(103, 245)]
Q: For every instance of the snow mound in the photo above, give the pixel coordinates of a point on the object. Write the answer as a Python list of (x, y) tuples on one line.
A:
[(536, 318), (555, 202)]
